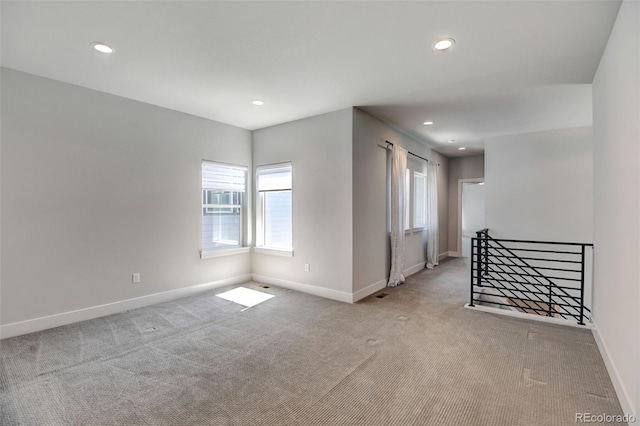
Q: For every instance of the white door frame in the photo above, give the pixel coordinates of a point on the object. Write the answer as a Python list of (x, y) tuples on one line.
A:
[(459, 233)]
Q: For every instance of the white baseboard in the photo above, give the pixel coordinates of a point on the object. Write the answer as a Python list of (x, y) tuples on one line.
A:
[(413, 269), (621, 391), (530, 317), (377, 286), (64, 318), (340, 296), (369, 290), (444, 255), (454, 254)]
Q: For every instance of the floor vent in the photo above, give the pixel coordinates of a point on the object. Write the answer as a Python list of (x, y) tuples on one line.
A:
[(382, 295)]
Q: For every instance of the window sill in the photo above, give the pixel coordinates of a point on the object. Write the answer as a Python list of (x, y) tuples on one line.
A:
[(414, 231), (275, 252), (224, 252)]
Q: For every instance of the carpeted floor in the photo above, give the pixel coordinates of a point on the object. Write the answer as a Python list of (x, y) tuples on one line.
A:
[(414, 357)]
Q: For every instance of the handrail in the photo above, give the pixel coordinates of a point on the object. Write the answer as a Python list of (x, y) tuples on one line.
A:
[(497, 267), (538, 242)]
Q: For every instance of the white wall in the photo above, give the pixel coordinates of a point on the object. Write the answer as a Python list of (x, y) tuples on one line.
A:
[(616, 118), (472, 208), (1, 70), (96, 187), (539, 186), (320, 150), (472, 213), (370, 231), (460, 168)]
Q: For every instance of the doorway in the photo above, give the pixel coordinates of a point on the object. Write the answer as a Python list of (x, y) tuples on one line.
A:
[(471, 214)]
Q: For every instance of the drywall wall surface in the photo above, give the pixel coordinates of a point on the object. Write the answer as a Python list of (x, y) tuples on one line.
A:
[(539, 186), (0, 190), (616, 126), (460, 168), (443, 201), (96, 187), (320, 150), (371, 251), (472, 208)]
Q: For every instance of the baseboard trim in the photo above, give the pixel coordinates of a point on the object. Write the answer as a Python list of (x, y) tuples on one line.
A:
[(413, 269), (444, 255), (64, 318), (377, 286), (454, 254), (530, 317), (621, 391), (328, 293), (369, 290)]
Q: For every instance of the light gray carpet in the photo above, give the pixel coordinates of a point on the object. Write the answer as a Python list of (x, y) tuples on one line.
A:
[(414, 357)]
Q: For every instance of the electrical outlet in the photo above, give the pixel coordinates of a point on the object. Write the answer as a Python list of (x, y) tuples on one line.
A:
[(307, 267), (136, 278)]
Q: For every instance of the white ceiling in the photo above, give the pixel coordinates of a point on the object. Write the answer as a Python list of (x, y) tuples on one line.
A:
[(517, 66)]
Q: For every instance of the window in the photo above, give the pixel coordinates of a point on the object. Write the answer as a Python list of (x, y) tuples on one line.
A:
[(419, 200), (274, 218), (223, 196), (407, 192)]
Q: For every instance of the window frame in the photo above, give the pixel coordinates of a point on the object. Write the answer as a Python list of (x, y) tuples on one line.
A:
[(240, 204), (407, 200), (423, 176), (260, 232)]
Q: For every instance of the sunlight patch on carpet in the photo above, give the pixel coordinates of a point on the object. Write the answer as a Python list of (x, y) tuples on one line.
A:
[(245, 296)]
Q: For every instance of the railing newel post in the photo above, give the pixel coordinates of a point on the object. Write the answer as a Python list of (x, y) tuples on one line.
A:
[(581, 322), (473, 242), (479, 267)]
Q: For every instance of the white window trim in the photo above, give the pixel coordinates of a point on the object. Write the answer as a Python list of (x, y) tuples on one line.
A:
[(224, 252), (272, 251), (241, 247), (408, 201), (264, 249), (418, 230), (413, 218)]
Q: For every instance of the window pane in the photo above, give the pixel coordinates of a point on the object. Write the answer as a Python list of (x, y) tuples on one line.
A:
[(223, 189), (407, 206), (221, 227), (277, 220), (274, 228), (211, 196), (274, 178), (223, 177), (419, 201)]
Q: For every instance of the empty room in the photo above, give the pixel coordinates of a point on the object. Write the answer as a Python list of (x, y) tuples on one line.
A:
[(319, 212)]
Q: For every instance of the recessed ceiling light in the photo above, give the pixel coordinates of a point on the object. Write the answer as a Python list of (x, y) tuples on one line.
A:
[(451, 141), (101, 47), (443, 43), (481, 183), (257, 102), (428, 123), (462, 148)]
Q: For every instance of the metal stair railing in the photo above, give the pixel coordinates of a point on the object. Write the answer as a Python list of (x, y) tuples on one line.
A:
[(514, 281)]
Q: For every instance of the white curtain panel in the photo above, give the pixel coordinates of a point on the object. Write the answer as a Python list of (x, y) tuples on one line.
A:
[(433, 233), (398, 171)]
